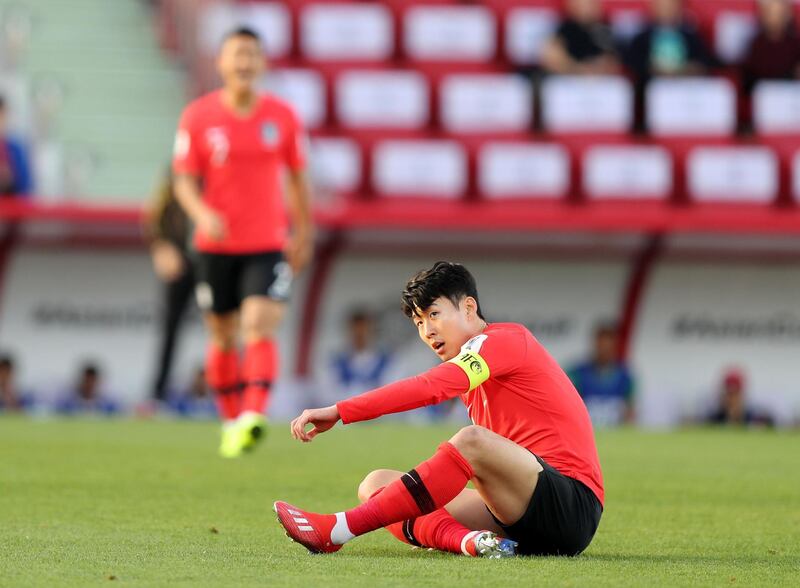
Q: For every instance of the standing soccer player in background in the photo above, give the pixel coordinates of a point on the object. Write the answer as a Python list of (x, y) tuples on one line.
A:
[(231, 151), (530, 452)]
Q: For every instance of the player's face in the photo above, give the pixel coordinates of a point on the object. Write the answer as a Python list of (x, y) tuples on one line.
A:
[(240, 63), (445, 327)]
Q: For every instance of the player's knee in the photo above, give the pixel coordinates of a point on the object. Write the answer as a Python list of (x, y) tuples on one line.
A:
[(469, 440), (374, 481)]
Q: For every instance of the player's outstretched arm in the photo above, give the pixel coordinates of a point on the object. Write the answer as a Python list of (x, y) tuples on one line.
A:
[(322, 420)]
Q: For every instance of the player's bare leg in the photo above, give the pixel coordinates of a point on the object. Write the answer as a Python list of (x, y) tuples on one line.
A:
[(504, 474), (260, 319)]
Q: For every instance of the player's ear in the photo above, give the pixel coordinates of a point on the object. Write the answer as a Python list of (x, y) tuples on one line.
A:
[(470, 306)]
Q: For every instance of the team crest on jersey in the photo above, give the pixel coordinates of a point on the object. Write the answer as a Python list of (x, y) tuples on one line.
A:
[(270, 133)]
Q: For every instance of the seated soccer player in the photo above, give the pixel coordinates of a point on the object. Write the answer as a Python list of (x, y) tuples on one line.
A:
[(531, 453)]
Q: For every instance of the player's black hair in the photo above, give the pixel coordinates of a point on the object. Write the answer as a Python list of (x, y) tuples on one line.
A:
[(6, 362), (451, 280), (2, 102), (243, 31)]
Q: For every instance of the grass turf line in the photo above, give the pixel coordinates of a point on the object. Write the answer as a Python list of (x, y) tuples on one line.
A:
[(150, 503)]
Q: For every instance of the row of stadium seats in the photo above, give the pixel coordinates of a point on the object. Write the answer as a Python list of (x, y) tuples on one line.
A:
[(511, 31), (623, 170), (504, 103)]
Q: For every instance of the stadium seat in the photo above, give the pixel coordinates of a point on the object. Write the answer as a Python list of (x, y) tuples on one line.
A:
[(419, 168), (302, 88), (336, 165), (346, 32), (575, 104), (271, 20), (382, 100), (450, 33), (776, 105), (526, 30), (733, 31), (627, 172), (741, 174), (481, 103), (691, 107), (796, 177), (523, 170)]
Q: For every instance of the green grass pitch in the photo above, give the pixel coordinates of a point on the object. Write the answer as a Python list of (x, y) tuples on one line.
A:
[(149, 503)]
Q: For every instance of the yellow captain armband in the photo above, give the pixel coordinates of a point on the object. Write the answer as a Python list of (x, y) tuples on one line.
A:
[(474, 366)]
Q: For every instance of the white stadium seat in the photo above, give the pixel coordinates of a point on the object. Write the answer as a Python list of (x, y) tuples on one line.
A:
[(733, 31), (336, 164), (732, 174), (587, 104), (776, 107), (691, 106), (271, 20), (450, 33), (382, 99), (627, 172), (302, 88), (485, 103), (523, 170), (527, 29), (796, 177), (429, 168), (359, 32)]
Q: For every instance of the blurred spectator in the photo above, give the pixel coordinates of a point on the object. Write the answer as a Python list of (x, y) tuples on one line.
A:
[(168, 231), (668, 46), (774, 53), (11, 400), (15, 177), (733, 408), (86, 396), (582, 44), (361, 365), (604, 382), (196, 402)]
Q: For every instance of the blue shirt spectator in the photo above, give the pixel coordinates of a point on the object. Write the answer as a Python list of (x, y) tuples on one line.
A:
[(86, 397), (15, 175), (604, 382)]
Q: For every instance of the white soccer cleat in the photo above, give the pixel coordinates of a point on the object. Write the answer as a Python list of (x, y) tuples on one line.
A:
[(490, 545)]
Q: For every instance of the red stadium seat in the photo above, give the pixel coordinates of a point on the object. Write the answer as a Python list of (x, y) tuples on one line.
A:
[(776, 105), (336, 165), (526, 29), (450, 34)]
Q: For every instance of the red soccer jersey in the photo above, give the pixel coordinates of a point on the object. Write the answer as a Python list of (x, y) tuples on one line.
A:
[(240, 162), (511, 385)]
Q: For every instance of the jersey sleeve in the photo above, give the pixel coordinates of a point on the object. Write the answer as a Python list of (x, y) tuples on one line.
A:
[(438, 384), (491, 355), (295, 151), (186, 151)]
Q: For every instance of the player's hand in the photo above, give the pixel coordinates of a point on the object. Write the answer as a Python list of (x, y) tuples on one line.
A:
[(299, 250), (211, 224), (167, 261), (322, 420)]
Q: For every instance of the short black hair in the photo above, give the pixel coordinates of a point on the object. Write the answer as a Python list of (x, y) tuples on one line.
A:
[(451, 280), (6, 362), (606, 328), (242, 31)]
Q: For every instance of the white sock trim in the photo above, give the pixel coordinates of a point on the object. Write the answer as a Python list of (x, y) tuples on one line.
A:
[(341, 534), (468, 537)]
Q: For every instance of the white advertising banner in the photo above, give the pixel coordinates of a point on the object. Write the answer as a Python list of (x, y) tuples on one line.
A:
[(698, 320)]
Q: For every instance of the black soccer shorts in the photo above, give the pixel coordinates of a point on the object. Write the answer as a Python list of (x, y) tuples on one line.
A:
[(225, 280), (561, 518)]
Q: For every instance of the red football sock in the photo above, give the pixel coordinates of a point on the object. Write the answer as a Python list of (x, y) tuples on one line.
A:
[(260, 369), (438, 530), (428, 487), (222, 375)]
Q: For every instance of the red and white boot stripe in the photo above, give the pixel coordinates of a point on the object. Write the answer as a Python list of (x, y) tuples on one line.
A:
[(311, 530)]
